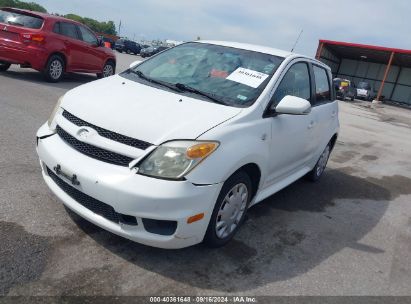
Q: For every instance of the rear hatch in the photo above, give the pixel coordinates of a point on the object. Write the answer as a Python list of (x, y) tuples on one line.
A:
[(17, 28)]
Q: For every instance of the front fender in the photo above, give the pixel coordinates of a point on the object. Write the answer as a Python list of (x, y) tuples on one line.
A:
[(241, 143)]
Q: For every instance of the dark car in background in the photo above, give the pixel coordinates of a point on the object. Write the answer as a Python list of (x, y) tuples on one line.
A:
[(345, 88), (150, 51), (52, 45), (127, 46)]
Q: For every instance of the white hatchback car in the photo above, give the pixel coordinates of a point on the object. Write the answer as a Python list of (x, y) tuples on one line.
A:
[(174, 150)]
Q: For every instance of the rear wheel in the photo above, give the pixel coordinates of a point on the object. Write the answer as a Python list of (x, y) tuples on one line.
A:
[(54, 70), (108, 70), (315, 174), (229, 210), (4, 66)]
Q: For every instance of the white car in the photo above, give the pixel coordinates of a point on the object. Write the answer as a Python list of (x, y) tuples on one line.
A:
[(174, 150), (364, 91)]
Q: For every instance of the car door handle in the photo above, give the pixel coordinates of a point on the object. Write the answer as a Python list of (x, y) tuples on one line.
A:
[(311, 125)]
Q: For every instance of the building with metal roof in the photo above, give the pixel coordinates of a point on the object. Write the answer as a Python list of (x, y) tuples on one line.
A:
[(388, 70)]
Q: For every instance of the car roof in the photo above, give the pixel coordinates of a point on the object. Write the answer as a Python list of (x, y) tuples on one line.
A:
[(39, 14), (250, 47)]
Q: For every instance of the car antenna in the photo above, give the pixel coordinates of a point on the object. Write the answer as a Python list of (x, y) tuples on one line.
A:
[(298, 38)]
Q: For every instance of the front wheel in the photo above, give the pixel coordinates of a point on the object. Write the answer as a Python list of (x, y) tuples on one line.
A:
[(108, 70), (4, 66), (229, 210), (315, 174)]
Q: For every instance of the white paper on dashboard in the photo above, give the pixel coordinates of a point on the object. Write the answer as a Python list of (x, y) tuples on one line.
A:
[(248, 77)]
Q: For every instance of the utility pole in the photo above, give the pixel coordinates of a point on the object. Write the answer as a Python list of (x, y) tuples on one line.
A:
[(119, 29)]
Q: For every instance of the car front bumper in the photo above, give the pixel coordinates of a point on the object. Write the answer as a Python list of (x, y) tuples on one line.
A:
[(129, 194)]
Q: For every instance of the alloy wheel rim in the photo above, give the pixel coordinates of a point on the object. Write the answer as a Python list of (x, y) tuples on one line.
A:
[(56, 68), (322, 162), (231, 210), (108, 70)]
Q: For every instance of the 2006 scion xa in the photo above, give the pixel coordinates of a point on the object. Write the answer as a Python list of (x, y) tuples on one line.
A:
[(174, 150)]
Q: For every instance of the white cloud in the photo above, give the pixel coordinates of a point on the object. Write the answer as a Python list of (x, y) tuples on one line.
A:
[(272, 23)]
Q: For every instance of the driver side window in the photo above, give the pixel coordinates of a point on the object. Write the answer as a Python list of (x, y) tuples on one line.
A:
[(296, 82), (87, 36)]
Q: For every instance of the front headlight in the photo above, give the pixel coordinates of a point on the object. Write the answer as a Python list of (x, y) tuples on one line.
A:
[(175, 159), (51, 122)]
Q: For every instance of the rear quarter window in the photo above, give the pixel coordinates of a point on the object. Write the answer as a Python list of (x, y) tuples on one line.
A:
[(68, 30), (21, 19)]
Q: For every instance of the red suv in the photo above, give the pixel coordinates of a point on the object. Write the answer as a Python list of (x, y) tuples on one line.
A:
[(52, 45)]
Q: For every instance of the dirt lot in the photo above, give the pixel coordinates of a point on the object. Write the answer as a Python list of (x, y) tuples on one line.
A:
[(349, 234)]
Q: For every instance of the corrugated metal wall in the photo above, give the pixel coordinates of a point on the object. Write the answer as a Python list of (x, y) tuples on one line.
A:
[(397, 86)]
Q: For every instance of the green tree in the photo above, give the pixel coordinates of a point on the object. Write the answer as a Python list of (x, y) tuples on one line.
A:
[(23, 5), (97, 26)]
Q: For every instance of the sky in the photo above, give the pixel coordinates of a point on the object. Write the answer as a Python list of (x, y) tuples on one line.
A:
[(272, 23)]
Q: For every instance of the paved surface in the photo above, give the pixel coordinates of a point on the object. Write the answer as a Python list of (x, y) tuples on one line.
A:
[(349, 234)]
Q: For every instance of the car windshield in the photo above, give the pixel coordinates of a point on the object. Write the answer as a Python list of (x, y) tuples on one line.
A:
[(364, 85), (232, 76), (20, 19)]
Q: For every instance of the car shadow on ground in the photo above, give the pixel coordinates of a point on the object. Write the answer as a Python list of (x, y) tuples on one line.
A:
[(70, 80), (285, 236)]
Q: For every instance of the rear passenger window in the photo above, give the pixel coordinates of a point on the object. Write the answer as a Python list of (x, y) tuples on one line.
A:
[(296, 82), (56, 28), (69, 30), (322, 85)]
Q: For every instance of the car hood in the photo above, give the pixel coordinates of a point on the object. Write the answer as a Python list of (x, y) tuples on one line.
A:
[(144, 112)]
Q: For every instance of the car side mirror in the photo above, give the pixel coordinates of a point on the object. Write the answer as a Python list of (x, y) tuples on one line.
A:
[(293, 105), (134, 63)]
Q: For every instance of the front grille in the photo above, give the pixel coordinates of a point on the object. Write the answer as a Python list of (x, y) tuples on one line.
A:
[(108, 134), (93, 151), (90, 203)]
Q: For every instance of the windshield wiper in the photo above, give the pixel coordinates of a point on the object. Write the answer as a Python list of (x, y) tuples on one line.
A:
[(187, 88), (159, 82)]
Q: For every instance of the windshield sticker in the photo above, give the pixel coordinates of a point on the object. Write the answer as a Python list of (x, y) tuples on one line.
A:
[(248, 77)]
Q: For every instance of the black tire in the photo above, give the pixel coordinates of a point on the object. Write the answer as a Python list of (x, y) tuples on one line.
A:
[(55, 68), (318, 170), (352, 98), (109, 66), (239, 179), (4, 66), (128, 52)]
